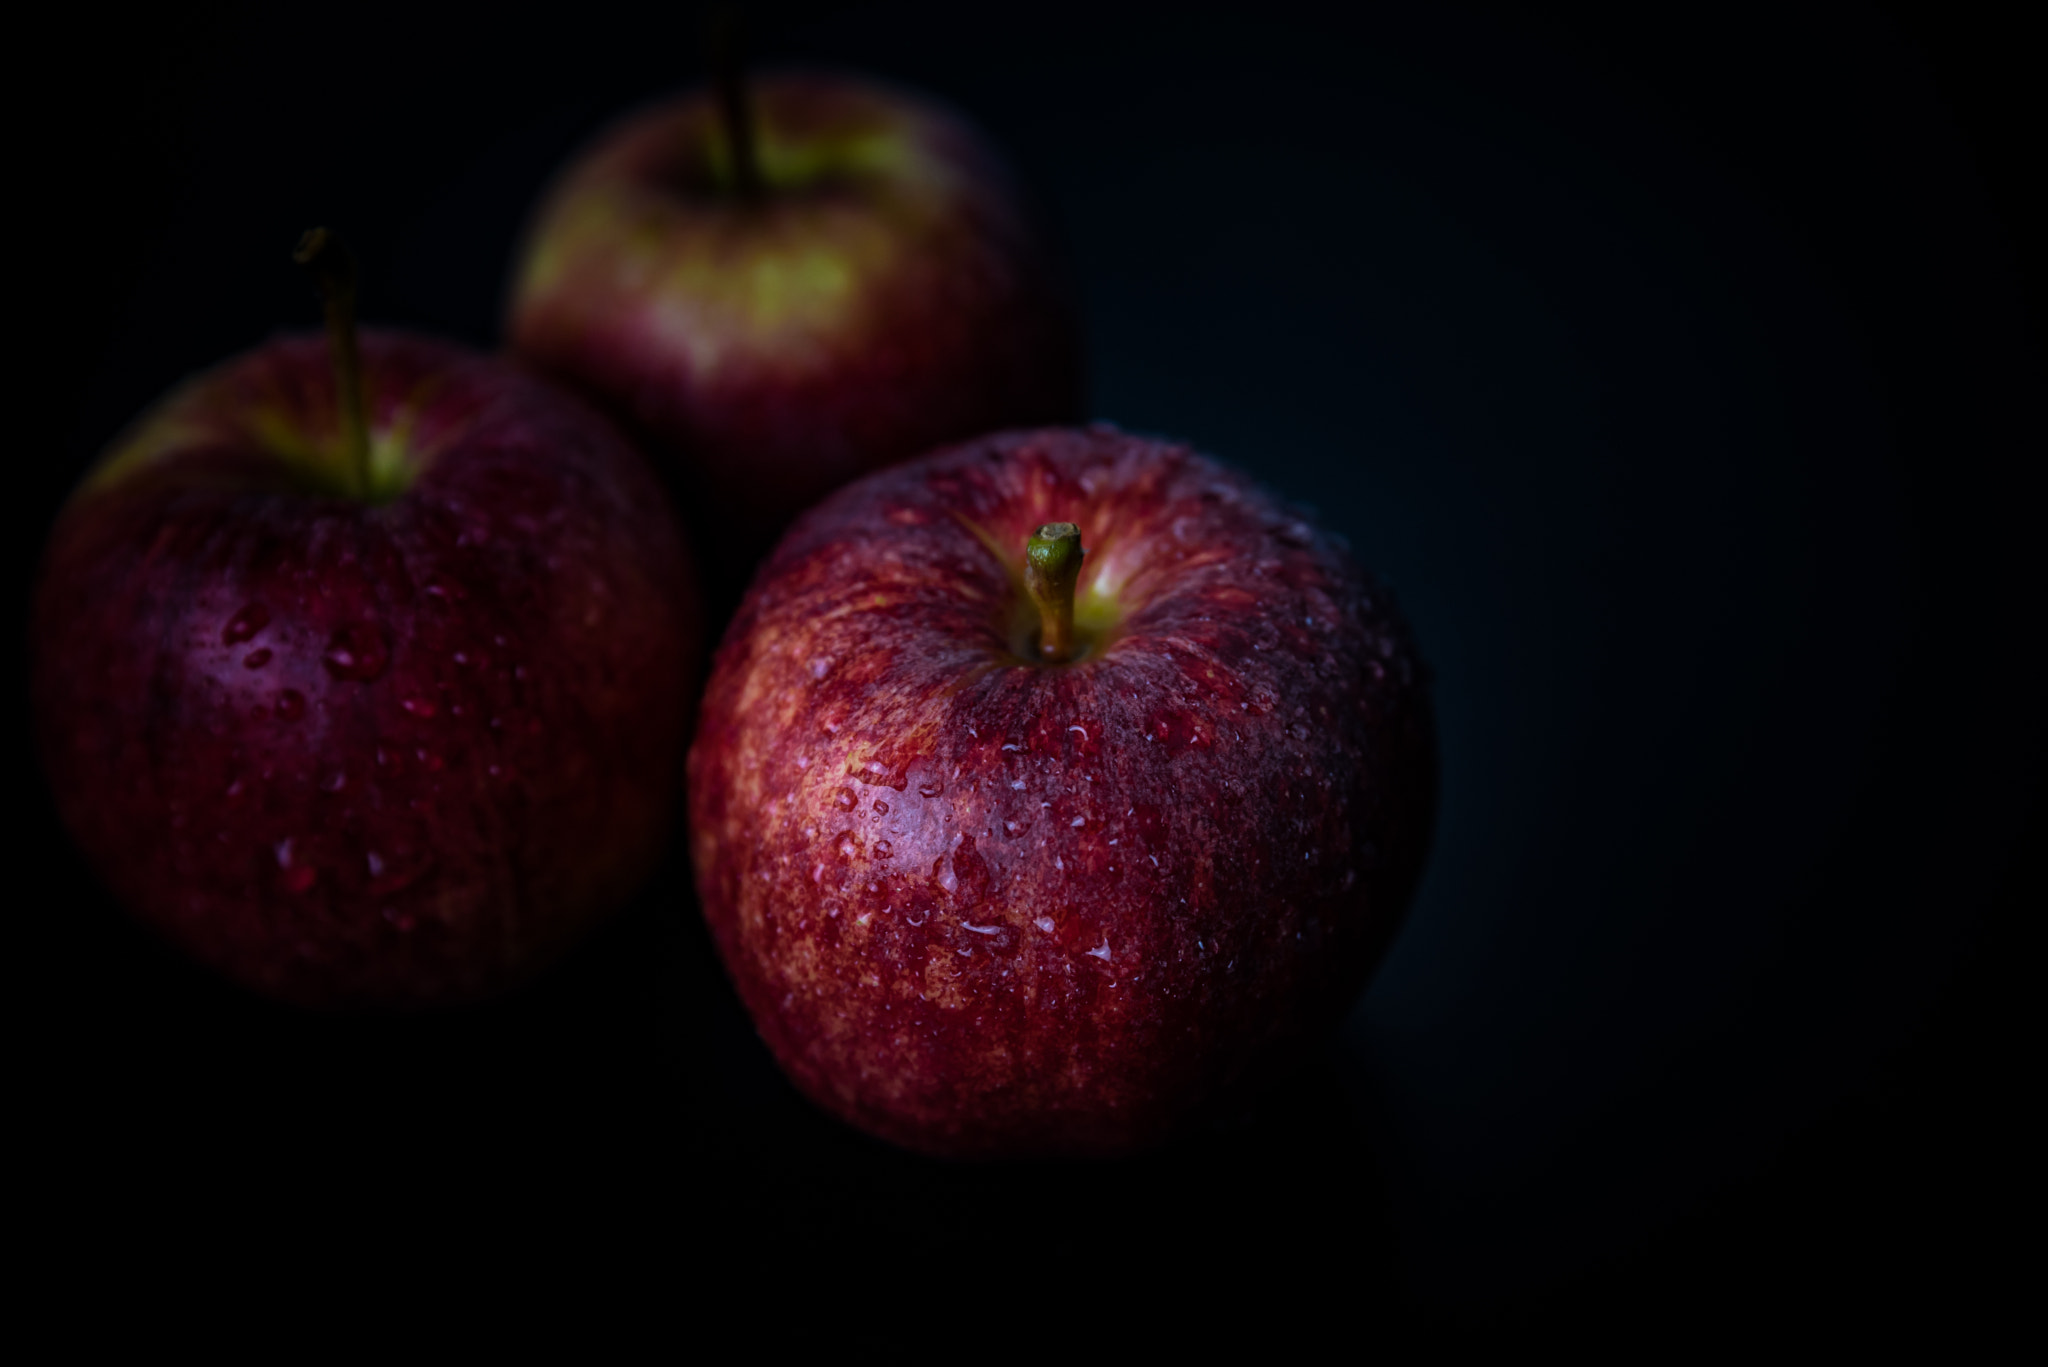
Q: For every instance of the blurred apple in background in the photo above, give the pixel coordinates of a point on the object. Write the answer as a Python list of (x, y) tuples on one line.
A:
[(369, 702), (787, 283), (1055, 791)]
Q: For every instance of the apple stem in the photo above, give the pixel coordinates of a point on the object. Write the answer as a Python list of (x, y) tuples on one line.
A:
[(728, 73), (333, 269), (1052, 567)]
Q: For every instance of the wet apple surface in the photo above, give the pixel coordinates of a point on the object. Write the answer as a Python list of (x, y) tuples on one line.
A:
[(386, 750), (982, 905), (1682, 379)]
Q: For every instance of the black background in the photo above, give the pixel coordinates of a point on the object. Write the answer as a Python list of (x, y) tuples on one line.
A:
[(1682, 375)]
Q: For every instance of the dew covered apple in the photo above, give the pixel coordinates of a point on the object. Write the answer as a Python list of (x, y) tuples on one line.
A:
[(1021, 838), (812, 277), (381, 729)]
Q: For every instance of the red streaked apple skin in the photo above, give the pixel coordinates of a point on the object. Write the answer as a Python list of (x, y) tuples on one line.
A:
[(889, 292), (363, 754), (983, 908)]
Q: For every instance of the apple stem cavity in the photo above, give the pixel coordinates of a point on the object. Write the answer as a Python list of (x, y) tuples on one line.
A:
[(333, 269), (728, 73), (1052, 567)]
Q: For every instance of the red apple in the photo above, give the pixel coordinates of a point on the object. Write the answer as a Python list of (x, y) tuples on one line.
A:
[(982, 900), (381, 736), (792, 286)]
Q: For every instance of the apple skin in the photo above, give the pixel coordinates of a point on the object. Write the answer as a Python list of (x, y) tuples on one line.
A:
[(986, 908), (355, 753), (890, 291)]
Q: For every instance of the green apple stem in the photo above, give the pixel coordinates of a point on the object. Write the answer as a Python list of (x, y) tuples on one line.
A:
[(1052, 567), (334, 274), (728, 73)]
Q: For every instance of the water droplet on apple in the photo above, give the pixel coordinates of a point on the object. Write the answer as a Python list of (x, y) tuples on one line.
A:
[(389, 875), (335, 781), (256, 658), (1178, 732), (245, 624), (356, 652), (296, 876), (821, 665), (884, 850), (881, 807), (845, 800), (419, 707), (930, 787), (291, 705)]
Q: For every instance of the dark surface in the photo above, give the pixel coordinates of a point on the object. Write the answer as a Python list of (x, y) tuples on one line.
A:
[(1678, 377)]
